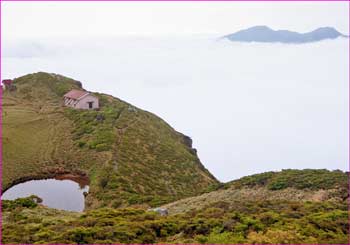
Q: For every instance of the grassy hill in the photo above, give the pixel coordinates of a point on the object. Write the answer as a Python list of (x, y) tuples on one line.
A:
[(131, 156), (229, 215)]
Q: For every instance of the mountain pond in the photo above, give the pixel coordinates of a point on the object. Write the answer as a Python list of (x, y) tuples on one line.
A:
[(62, 192)]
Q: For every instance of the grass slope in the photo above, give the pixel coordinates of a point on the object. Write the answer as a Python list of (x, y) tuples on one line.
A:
[(130, 155)]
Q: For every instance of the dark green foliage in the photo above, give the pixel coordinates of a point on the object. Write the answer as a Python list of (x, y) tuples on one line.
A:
[(103, 182), (278, 185), (28, 202)]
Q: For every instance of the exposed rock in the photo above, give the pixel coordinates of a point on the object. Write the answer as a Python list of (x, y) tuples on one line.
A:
[(161, 211), (100, 117), (36, 199), (187, 141), (132, 109)]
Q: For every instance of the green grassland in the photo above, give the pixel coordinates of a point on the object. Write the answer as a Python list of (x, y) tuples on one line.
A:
[(131, 156)]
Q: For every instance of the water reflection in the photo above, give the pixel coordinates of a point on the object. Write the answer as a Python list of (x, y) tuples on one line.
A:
[(60, 193)]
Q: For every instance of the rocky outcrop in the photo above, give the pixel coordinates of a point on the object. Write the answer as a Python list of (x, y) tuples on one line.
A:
[(188, 142)]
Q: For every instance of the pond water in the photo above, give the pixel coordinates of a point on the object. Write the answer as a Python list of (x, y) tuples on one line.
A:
[(59, 193)]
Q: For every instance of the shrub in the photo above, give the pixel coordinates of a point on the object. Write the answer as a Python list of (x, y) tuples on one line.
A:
[(80, 235), (102, 147), (103, 182), (27, 202), (218, 237), (277, 185)]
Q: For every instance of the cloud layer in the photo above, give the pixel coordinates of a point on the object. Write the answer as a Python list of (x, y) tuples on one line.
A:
[(248, 107)]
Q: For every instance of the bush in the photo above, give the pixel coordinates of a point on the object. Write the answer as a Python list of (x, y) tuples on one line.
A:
[(277, 185), (218, 237), (27, 202), (80, 235), (103, 182)]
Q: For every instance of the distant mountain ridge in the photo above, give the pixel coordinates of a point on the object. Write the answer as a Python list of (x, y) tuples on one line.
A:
[(267, 35)]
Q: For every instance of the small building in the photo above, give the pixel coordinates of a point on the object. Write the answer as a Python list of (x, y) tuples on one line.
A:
[(80, 99), (8, 84)]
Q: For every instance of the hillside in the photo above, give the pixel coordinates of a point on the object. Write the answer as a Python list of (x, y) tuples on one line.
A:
[(288, 185), (268, 35), (131, 156), (235, 213)]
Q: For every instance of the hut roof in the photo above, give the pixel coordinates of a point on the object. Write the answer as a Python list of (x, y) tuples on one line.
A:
[(7, 81), (76, 94)]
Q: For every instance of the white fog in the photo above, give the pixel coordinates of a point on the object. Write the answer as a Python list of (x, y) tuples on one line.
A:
[(248, 107)]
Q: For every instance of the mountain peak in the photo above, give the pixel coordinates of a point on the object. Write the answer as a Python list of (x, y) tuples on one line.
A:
[(260, 28), (265, 34), (326, 28)]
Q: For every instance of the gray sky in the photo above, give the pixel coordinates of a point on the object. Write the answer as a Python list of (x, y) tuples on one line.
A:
[(96, 19), (249, 108)]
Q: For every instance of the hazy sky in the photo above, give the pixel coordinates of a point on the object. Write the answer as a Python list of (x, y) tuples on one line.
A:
[(96, 19), (249, 108)]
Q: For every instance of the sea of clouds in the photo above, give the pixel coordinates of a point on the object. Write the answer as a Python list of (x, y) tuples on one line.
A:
[(248, 107)]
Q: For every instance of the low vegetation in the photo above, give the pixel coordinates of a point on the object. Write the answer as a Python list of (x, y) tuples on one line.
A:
[(276, 222), (314, 179)]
